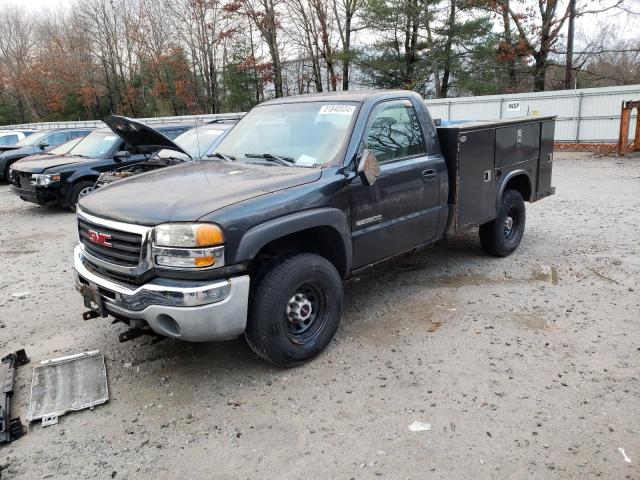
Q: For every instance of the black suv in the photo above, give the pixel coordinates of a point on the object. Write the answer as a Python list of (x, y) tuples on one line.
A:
[(64, 179), (37, 143)]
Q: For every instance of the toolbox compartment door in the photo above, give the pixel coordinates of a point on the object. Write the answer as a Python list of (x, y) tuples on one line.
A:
[(545, 161), (517, 143), (476, 188)]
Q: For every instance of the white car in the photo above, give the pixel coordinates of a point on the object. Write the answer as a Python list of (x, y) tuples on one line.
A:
[(11, 137)]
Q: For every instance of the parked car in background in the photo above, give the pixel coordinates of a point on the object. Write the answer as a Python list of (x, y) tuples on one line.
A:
[(54, 152), (66, 178), (8, 138), (196, 144), (37, 142)]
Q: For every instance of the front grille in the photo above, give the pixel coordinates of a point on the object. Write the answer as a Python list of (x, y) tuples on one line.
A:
[(125, 247), (22, 180)]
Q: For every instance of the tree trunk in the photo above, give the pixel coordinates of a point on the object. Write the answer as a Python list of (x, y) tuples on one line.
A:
[(446, 71), (568, 69), (508, 40), (276, 67), (539, 73), (346, 52)]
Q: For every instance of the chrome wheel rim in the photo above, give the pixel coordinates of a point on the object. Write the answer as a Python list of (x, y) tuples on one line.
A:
[(305, 313), (84, 192), (511, 223)]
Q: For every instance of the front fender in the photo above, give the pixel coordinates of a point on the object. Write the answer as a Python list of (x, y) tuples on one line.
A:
[(259, 236)]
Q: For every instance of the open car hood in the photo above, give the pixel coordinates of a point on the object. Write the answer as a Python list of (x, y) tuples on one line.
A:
[(139, 135)]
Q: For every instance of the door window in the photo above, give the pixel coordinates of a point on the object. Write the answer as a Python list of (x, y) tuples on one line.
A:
[(78, 133), (393, 132), (56, 138)]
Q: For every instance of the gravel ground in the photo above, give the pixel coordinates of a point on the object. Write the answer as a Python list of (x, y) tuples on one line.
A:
[(525, 367)]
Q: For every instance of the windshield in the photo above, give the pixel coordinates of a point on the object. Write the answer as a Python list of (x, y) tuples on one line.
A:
[(96, 145), (32, 139), (196, 142), (311, 134), (65, 147)]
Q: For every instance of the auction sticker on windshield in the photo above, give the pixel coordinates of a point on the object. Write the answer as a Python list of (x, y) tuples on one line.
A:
[(337, 110)]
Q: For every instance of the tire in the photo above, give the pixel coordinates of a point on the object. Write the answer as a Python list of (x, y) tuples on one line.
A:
[(78, 190), (501, 237), (295, 310), (6, 171)]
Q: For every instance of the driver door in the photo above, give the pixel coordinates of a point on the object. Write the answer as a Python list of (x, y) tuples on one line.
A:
[(399, 211)]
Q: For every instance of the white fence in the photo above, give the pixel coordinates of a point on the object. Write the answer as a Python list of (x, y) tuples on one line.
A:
[(149, 121), (585, 115)]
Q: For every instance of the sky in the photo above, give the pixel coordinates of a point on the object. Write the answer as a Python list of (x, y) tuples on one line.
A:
[(627, 25)]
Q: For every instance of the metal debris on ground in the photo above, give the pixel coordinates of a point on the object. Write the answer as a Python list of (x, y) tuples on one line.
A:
[(624, 454), (10, 428), (419, 427), (20, 294), (67, 384)]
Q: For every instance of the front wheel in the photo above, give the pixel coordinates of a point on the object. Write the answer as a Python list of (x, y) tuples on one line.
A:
[(79, 190), (295, 310), (501, 237)]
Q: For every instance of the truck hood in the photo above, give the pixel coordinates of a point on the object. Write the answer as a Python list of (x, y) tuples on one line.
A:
[(42, 163), (189, 191)]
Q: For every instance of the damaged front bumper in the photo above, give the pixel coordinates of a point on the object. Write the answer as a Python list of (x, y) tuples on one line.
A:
[(188, 310)]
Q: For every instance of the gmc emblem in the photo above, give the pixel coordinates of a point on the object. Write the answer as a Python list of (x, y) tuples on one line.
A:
[(99, 238)]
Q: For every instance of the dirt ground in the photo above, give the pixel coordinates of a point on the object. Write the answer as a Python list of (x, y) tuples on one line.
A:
[(525, 367)]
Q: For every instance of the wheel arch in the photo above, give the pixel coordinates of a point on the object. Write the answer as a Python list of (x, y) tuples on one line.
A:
[(518, 180), (71, 185), (323, 231)]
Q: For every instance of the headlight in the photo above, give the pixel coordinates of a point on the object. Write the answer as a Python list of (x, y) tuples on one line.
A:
[(188, 257), (188, 235), (44, 179), (188, 245)]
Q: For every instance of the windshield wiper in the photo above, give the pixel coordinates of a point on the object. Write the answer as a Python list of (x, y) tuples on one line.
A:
[(286, 161), (221, 156)]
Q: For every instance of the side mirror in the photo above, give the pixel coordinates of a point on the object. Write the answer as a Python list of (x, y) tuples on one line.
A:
[(43, 144), (368, 167), (118, 156)]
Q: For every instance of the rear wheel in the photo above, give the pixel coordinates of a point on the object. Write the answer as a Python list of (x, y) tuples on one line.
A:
[(79, 190), (501, 236), (295, 310)]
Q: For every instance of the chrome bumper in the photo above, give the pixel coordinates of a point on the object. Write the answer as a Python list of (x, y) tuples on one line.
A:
[(188, 310)]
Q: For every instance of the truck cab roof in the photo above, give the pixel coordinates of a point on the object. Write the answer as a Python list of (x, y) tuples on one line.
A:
[(359, 96)]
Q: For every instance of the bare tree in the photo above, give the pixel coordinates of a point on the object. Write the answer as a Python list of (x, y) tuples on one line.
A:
[(265, 16), (305, 33), (540, 30), (17, 48), (323, 14), (345, 12)]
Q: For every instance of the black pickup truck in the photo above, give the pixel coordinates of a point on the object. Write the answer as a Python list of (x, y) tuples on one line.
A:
[(303, 192)]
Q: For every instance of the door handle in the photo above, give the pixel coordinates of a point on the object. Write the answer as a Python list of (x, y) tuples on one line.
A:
[(429, 175)]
